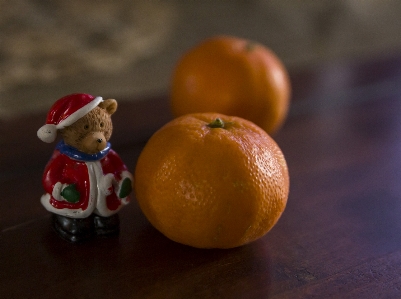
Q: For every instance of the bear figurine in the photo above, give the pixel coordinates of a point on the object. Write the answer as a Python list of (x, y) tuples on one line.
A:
[(85, 181)]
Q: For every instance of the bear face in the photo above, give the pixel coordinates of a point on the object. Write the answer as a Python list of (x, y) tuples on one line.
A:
[(91, 133)]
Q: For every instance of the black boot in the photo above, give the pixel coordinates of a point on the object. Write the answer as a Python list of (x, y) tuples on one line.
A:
[(74, 229), (107, 226)]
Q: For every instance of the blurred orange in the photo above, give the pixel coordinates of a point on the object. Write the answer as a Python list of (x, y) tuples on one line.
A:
[(232, 76)]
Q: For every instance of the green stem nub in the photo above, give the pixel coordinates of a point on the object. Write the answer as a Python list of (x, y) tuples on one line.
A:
[(217, 123), (250, 46)]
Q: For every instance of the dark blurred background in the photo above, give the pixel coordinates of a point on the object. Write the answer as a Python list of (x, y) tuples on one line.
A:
[(127, 48)]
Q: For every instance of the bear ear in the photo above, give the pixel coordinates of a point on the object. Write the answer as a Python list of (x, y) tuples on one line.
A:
[(110, 105)]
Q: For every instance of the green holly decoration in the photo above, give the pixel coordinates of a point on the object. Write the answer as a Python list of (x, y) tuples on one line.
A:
[(126, 188), (70, 193)]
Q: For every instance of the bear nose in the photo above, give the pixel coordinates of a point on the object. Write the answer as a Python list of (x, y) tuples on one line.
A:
[(99, 140)]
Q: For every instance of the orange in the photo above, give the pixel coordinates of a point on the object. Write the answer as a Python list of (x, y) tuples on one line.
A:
[(232, 76), (212, 181)]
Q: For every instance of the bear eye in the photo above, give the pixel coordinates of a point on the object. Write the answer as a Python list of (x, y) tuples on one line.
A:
[(86, 127), (102, 124)]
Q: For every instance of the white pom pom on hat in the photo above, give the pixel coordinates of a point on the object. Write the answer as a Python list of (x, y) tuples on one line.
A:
[(47, 133), (65, 112)]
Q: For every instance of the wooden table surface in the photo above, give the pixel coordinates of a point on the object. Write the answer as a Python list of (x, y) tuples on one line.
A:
[(339, 237)]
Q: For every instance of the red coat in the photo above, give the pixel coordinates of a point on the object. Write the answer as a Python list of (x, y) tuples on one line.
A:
[(97, 182)]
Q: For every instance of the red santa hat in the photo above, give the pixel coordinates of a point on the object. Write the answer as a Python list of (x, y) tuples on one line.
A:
[(65, 112)]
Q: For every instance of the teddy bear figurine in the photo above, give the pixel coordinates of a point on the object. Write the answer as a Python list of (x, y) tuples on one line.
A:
[(85, 181)]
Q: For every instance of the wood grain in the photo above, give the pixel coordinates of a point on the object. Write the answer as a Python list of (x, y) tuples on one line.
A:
[(338, 238)]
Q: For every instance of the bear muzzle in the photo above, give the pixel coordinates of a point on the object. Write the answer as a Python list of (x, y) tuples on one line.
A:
[(94, 142)]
